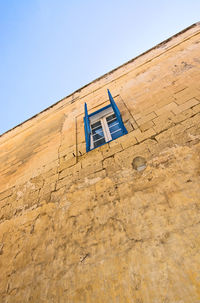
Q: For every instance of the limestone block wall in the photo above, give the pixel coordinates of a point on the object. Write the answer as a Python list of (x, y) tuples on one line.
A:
[(91, 227)]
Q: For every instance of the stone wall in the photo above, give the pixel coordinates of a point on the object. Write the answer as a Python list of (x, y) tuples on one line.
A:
[(77, 227)]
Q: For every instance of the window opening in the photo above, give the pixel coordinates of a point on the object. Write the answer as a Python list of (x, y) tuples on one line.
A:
[(98, 137), (103, 125)]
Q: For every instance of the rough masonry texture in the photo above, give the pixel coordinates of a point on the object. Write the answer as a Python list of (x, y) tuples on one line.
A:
[(80, 228)]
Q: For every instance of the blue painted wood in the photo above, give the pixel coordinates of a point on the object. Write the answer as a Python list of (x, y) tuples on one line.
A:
[(117, 113), (87, 121), (87, 129)]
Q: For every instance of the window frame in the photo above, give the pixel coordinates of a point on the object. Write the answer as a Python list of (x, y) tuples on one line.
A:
[(101, 115)]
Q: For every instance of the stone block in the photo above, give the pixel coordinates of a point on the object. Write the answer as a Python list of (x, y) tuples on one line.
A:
[(110, 166), (169, 107), (129, 126), (51, 179), (30, 198), (51, 165), (73, 170), (90, 169), (91, 157), (145, 135), (146, 118), (65, 182), (190, 103), (165, 116), (161, 126), (49, 173), (195, 120), (146, 126), (196, 109), (92, 178), (66, 151), (128, 140), (177, 88), (183, 116), (111, 150), (57, 195), (137, 116), (45, 192), (67, 163), (185, 95)]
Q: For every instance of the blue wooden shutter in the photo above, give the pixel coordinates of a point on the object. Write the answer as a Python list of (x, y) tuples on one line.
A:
[(117, 113), (87, 129)]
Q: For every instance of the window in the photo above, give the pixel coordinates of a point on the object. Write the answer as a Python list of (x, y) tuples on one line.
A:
[(103, 125), (104, 128)]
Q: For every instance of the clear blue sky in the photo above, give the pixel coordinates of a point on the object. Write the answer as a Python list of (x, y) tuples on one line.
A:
[(50, 48)]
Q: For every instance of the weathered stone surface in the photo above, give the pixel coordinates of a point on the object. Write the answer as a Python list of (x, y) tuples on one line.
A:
[(6, 193), (90, 227)]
